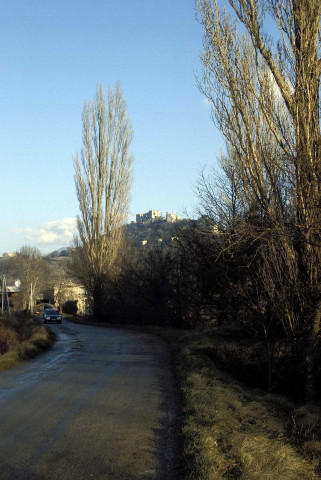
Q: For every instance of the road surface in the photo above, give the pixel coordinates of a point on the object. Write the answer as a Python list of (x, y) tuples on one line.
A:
[(100, 404)]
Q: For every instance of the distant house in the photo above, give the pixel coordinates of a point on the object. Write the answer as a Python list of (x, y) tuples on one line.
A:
[(71, 291), (12, 291)]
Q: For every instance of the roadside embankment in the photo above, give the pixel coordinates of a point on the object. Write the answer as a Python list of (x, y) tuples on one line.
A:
[(21, 337), (230, 431)]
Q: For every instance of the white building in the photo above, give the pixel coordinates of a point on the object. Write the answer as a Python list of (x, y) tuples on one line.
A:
[(149, 216), (171, 217)]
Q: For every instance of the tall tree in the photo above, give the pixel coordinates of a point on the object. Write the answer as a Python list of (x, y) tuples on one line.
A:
[(102, 178), (266, 101)]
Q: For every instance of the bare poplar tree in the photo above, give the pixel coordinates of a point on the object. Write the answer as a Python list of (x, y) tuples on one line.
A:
[(102, 178), (266, 101)]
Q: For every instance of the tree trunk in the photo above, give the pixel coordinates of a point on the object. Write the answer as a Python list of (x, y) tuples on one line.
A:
[(312, 344), (308, 172), (99, 300)]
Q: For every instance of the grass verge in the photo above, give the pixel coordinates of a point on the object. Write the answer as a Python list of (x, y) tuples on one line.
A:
[(231, 432), (21, 338)]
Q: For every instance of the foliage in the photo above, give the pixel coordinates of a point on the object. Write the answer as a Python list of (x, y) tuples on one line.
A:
[(266, 103), (152, 232), (230, 432), (8, 338), (21, 337), (29, 266)]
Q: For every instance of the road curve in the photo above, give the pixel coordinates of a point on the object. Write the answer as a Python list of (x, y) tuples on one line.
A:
[(100, 404)]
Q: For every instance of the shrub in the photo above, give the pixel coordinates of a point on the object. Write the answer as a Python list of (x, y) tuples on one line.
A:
[(21, 337), (8, 338)]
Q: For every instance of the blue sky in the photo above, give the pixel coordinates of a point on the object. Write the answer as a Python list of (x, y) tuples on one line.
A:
[(53, 55)]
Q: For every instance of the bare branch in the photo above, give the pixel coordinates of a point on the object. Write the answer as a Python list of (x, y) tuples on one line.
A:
[(102, 179)]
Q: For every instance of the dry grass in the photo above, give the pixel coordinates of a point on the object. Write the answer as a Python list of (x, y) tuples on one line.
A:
[(266, 458), (8, 338), (21, 338), (233, 433)]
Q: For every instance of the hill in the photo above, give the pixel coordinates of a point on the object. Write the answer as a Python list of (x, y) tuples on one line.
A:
[(152, 233)]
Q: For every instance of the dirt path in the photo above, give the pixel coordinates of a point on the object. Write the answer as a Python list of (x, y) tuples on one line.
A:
[(100, 404)]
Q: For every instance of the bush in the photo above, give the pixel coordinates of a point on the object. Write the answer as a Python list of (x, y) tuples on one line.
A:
[(21, 337), (251, 363), (8, 338)]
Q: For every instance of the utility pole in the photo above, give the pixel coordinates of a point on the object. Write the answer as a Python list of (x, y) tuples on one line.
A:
[(31, 299), (8, 304), (2, 295)]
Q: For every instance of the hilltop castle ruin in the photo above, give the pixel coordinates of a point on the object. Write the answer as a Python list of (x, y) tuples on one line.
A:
[(156, 215)]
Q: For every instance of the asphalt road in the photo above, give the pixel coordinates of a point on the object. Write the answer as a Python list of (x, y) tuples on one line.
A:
[(100, 404)]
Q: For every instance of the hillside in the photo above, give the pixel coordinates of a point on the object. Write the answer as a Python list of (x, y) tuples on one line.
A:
[(156, 232)]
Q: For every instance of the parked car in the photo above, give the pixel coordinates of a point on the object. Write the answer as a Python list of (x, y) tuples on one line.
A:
[(50, 315)]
